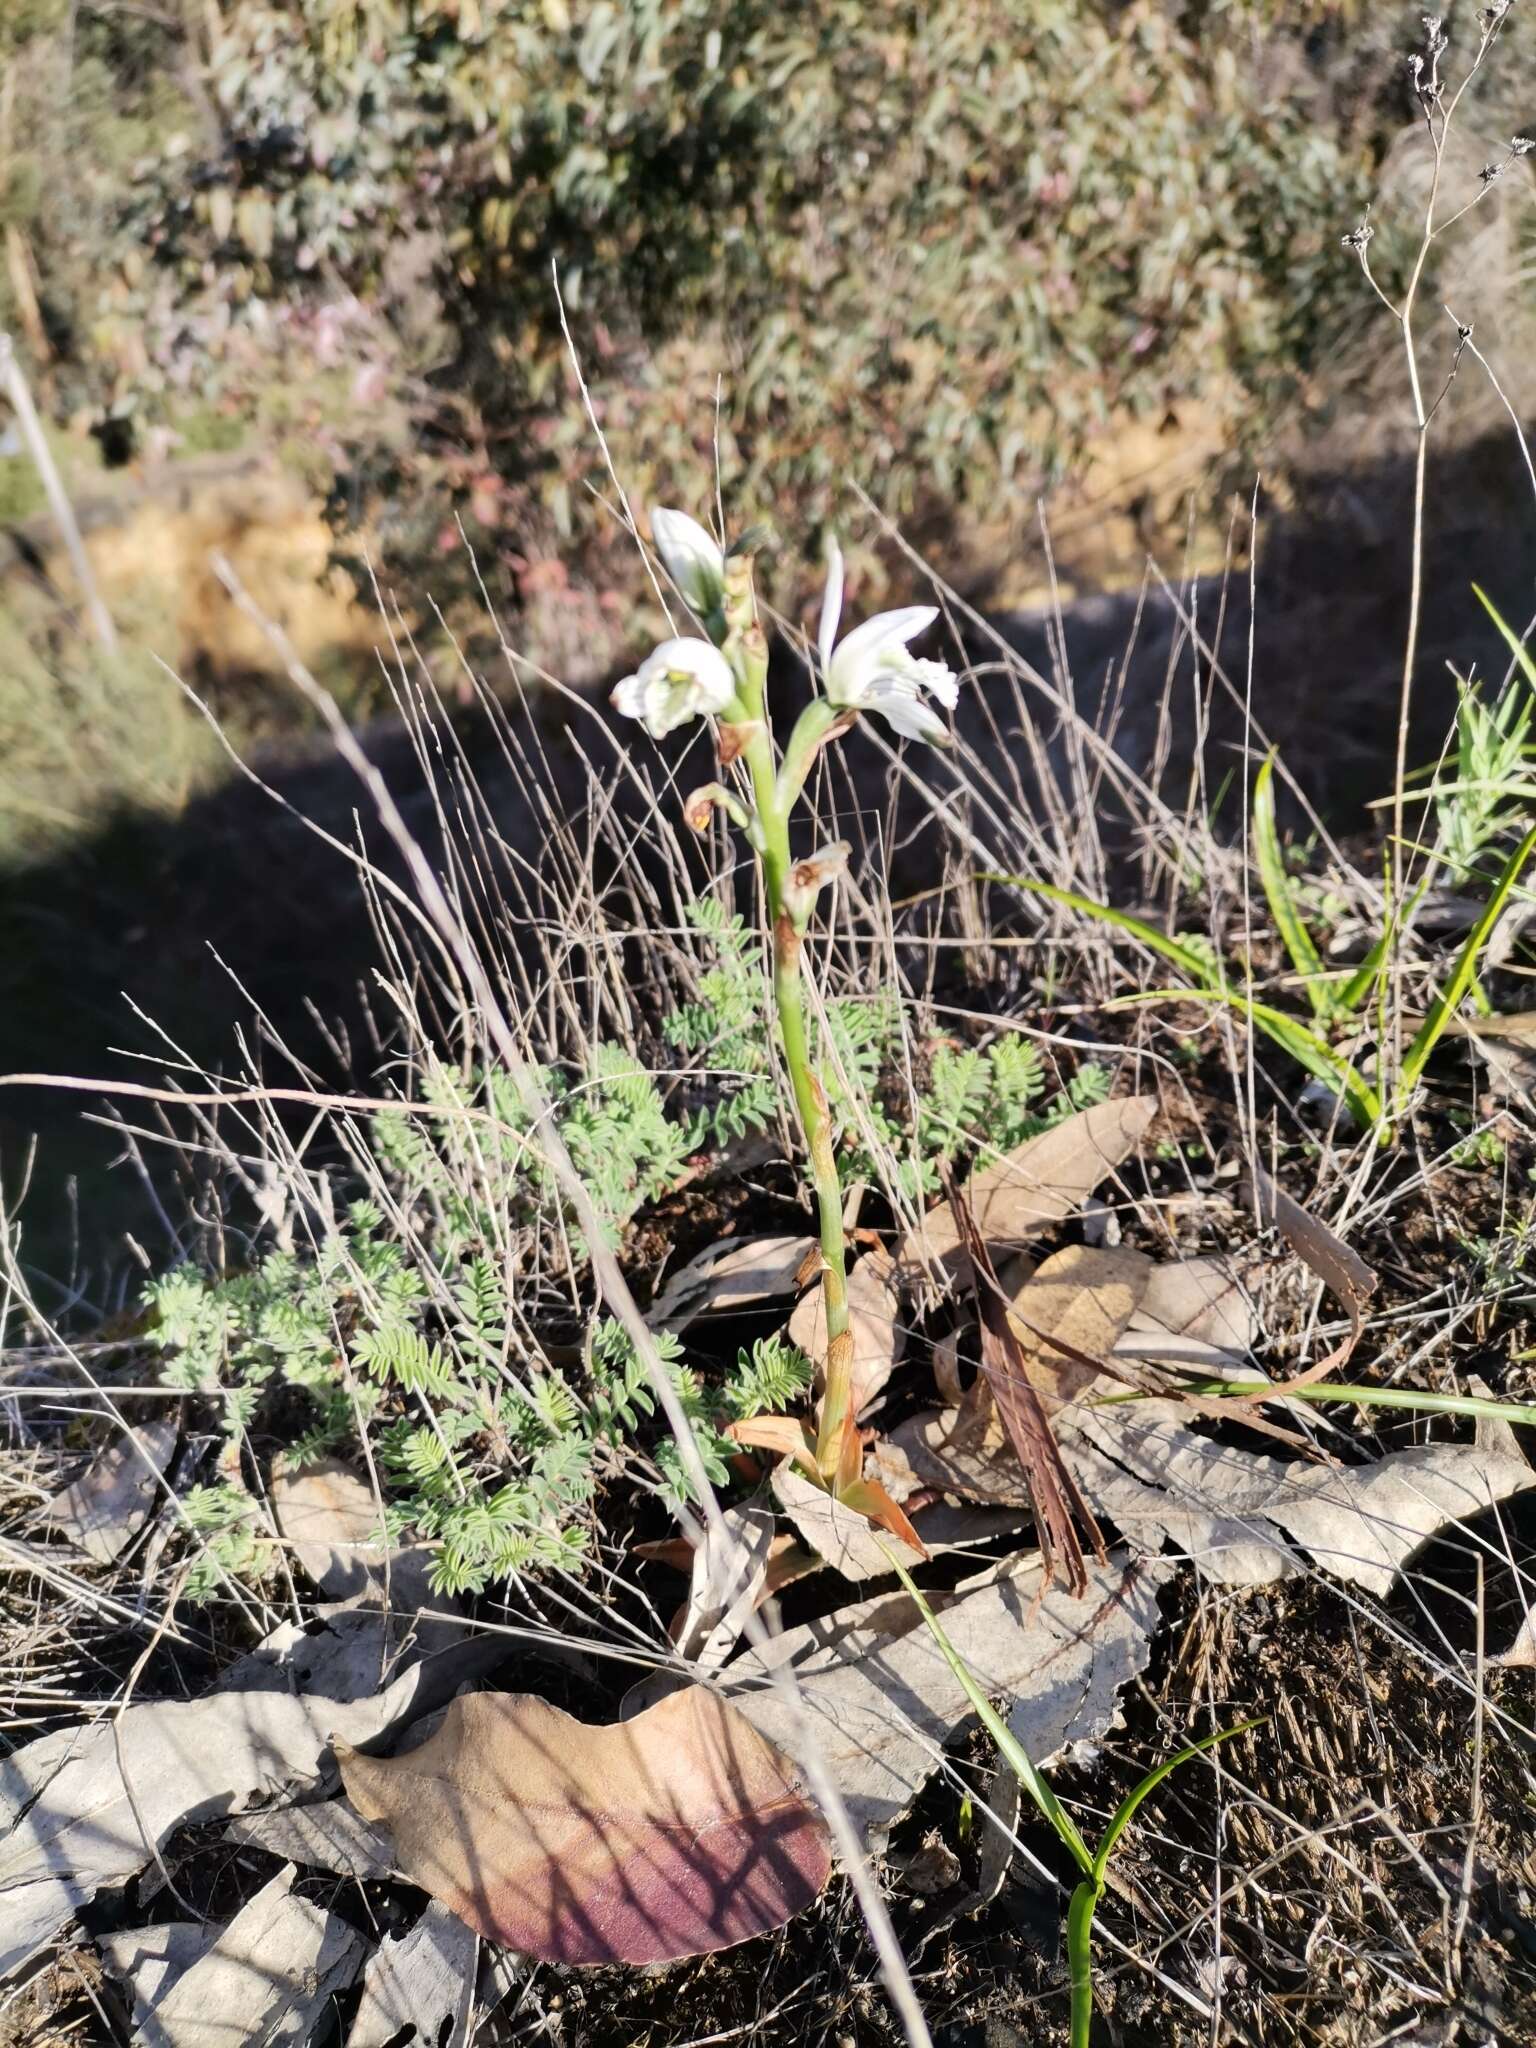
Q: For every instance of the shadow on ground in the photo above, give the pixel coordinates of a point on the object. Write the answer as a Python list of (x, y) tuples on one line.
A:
[(235, 905)]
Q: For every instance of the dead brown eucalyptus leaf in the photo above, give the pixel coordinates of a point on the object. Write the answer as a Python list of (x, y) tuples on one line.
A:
[(1071, 1312), (1037, 1184), (674, 1834), (107, 1505), (1342, 1271)]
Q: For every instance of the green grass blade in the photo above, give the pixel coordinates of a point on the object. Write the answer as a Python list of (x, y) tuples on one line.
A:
[(1280, 892), (1304, 1046), (1009, 1746), (1121, 1818), (1353, 992), (1511, 638), (1292, 1036), (1521, 1414), (1197, 969), (1446, 1004)]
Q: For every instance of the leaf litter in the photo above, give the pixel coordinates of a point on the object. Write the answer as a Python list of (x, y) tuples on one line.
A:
[(278, 1964), (684, 1828), (424, 1980), (92, 1805), (879, 1698)]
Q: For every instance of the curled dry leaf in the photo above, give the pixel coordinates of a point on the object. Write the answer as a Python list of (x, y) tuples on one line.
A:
[(729, 1572), (1192, 1312), (1037, 1184), (673, 1834), (1231, 1511), (735, 1275), (1342, 1271), (963, 1451), (873, 1322), (106, 1507)]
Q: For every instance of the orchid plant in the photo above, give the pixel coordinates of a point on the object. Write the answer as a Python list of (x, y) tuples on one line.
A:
[(721, 673)]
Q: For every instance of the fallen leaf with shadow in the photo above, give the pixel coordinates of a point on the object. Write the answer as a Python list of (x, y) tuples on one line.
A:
[(674, 1834)]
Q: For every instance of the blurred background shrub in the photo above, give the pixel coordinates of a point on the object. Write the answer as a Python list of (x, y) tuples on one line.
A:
[(932, 247)]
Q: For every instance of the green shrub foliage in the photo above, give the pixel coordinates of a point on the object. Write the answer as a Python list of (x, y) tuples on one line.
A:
[(928, 246)]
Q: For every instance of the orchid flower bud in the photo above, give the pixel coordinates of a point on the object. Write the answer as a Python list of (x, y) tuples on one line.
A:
[(807, 879), (691, 558)]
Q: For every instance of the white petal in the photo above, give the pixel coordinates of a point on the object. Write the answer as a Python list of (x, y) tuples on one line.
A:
[(667, 704), (888, 628), (703, 664), (831, 605), (906, 713), (628, 698), (936, 677), (857, 660)]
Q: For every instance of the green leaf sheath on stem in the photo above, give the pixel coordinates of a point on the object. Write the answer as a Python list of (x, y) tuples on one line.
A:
[(1280, 892), (1080, 1912)]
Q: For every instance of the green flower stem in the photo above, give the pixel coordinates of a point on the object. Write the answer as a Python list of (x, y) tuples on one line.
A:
[(1080, 1911), (773, 795)]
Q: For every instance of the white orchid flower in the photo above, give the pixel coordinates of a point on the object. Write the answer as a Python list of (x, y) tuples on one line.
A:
[(871, 669), (676, 681), (691, 558)]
